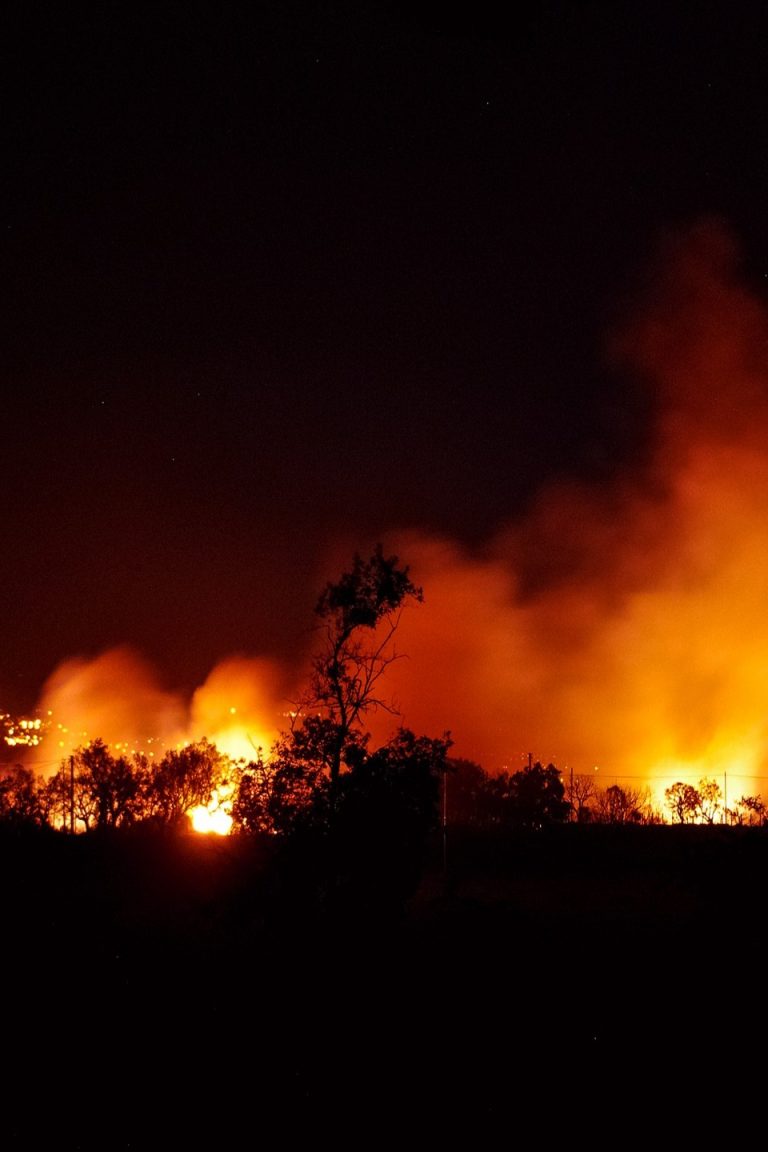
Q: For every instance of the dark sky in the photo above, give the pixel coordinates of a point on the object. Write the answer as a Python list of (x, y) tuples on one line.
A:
[(279, 275)]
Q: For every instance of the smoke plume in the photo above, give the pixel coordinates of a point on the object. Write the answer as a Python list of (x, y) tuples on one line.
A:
[(618, 627), (623, 627)]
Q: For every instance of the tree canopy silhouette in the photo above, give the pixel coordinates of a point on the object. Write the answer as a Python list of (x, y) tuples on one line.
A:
[(359, 615)]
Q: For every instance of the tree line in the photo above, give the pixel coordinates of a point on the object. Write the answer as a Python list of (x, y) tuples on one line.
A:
[(323, 778), (540, 795), (294, 786)]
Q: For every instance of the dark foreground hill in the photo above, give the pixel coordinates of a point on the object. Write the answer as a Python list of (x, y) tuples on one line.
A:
[(161, 990)]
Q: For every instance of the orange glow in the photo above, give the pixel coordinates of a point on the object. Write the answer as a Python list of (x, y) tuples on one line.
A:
[(621, 624), (211, 820), (23, 732), (624, 625), (116, 697), (239, 707)]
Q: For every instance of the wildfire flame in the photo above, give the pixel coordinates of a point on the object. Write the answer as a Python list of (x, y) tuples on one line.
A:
[(620, 624), (625, 624), (215, 817)]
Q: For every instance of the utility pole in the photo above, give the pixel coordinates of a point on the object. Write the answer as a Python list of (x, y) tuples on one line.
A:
[(725, 797), (72, 795), (445, 823)]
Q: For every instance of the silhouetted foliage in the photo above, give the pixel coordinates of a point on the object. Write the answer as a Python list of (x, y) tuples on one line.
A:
[(689, 805), (682, 800), (111, 783), (616, 805), (94, 789), (401, 779), (367, 842), (468, 794), (21, 804), (252, 796), (358, 615), (278, 795), (532, 797), (184, 779), (581, 790), (710, 801), (748, 810)]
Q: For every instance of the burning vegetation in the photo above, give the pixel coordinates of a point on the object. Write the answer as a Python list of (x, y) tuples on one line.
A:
[(617, 628)]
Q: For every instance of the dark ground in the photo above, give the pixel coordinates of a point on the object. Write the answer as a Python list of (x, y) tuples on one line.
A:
[(161, 991)]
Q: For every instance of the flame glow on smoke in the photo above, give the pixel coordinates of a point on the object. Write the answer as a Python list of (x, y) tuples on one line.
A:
[(620, 627), (625, 627), (116, 696), (240, 707)]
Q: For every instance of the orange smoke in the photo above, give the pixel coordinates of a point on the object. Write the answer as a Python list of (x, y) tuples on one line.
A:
[(619, 626), (624, 627), (116, 696), (241, 707)]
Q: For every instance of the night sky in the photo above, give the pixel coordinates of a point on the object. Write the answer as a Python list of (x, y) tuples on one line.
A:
[(285, 280)]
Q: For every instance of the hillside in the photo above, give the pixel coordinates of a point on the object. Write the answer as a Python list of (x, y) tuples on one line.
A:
[(186, 985)]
